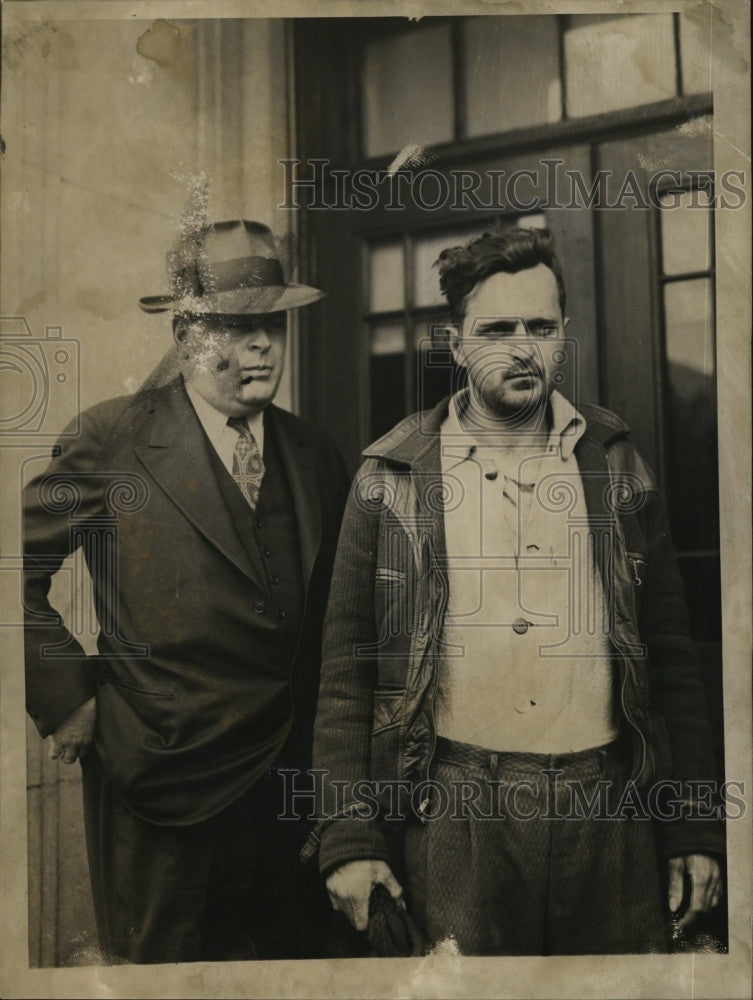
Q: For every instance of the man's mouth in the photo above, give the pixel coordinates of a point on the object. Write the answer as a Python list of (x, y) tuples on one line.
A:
[(525, 373), (252, 374)]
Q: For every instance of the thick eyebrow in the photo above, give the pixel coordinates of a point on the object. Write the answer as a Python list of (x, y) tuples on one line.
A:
[(543, 321), (488, 324)]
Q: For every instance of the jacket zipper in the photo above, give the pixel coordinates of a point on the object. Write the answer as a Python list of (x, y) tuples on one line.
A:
[(631, 721), (626, 663)]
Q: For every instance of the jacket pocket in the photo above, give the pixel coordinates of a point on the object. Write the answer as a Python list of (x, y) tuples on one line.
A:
[(138, 689), (106, 673), (384, 574), (393, 610)]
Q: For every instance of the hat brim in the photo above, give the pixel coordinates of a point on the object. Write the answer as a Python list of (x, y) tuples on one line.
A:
[(237, 301)]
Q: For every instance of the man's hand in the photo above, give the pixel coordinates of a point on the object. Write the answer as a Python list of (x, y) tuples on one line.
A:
[(704, 885), (74, 735), (350, 886)]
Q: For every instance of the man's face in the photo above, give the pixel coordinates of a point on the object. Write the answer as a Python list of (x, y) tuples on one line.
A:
[(235, 362), (509, 363)]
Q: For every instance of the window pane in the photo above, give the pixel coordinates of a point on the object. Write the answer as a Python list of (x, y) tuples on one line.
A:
[(695, 49), (435, 370), (512, 73), (534, 220), (426, 251), (689, 327), (387, 376), (685, 231), (618, 62), (691, 418), (386, 277), (387, 338), (407, 90)]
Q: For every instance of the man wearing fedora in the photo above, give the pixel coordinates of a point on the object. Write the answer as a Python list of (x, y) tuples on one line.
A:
[(208, 518)]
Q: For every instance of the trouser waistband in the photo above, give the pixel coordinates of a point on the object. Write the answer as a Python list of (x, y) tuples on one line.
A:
[(453, 752)]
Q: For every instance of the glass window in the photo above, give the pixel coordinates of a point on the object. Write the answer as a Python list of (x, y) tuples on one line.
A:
[(618, 61), (512, 75), (688, 321), (387, 376), (695, 49), (436, 373), (535, 220), (691, 433), (386, 270), (685, 221), (387, 338), (407, 90)]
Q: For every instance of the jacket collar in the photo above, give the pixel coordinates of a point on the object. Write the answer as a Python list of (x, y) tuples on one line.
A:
[(409, 441)]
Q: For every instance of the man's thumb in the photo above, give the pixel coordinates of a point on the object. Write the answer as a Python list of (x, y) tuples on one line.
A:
[(392, 885), (675, 884)]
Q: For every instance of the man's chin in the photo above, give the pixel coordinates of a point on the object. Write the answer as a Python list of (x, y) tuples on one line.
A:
[(255, 397), (517, 406)]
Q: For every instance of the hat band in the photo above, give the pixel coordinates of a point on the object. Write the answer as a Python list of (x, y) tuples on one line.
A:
[(242, 272)]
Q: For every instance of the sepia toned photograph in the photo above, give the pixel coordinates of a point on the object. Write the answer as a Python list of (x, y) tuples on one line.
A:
[(376, 499)]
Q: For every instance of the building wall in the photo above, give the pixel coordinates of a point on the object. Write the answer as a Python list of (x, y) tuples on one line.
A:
[(105, 147)]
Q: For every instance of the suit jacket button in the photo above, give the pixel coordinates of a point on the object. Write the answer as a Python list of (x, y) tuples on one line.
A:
[(260, 607)]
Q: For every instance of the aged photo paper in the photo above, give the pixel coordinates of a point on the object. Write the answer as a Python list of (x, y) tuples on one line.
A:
[(368, 136)]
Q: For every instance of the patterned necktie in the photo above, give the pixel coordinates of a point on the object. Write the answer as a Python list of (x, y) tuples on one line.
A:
[(248, 467)]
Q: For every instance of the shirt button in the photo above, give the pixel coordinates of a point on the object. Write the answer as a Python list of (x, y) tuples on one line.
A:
[(260, 607), (267, 553), (520, 625), (282, 613), (258, 522), (275, 579)]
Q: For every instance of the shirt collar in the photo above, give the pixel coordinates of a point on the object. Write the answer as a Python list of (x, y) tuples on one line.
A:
[(568, 424), (214, 422)]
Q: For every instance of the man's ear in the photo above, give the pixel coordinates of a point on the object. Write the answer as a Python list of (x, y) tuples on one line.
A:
[(180, 329), (454, 340)]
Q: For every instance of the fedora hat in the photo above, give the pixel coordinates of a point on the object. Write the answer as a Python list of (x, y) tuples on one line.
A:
[(232, 268)]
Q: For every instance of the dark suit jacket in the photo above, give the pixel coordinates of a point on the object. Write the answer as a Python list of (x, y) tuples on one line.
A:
[(195, 694)]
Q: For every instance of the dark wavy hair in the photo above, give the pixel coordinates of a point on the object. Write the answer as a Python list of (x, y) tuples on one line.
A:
[(510, 250)]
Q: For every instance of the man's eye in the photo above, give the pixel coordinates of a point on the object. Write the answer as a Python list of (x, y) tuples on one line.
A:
[(545, 330)]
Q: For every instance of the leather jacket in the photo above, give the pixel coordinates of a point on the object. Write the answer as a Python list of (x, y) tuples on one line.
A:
[(386, 612)]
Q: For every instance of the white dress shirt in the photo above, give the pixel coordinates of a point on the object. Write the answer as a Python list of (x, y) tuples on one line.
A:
[(215, 424)]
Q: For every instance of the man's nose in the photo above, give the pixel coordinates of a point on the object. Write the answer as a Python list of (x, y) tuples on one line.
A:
[(257, 339)]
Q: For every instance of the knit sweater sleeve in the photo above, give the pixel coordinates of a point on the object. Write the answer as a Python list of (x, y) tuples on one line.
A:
[(342, 734)]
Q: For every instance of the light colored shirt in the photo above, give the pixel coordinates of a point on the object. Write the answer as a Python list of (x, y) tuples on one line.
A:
[(215, 424), (526, 662)]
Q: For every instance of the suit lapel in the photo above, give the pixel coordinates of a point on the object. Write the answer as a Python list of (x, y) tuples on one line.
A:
[(173, 449), (299, 461)]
